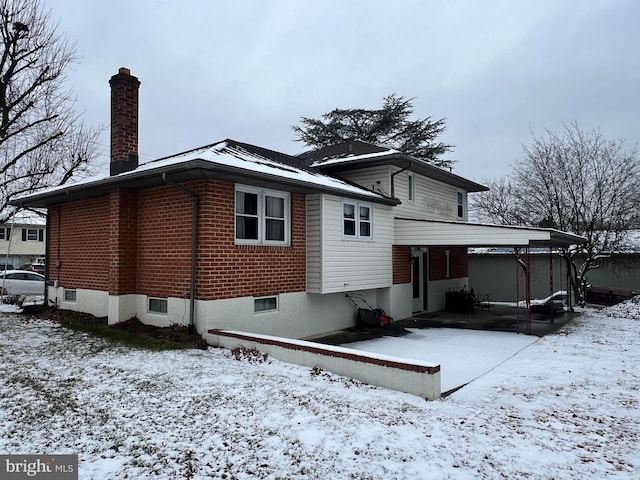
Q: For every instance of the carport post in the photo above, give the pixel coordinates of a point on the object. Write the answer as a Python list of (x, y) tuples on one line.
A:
[(551, 282), (528, 290), (516, 251)]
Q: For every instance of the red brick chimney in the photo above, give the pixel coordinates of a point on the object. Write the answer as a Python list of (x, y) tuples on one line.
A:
[(124, 122)]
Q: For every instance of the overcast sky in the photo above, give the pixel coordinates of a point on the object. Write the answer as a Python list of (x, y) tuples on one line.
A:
[(249, 69)]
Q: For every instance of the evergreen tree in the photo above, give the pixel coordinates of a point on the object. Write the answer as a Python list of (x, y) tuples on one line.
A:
[(389, 126)]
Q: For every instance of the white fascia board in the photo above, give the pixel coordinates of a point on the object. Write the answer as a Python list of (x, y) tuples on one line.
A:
[(421, 232)]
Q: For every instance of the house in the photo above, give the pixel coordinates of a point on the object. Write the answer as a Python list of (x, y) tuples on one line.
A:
[(22, 240), (236, 236)]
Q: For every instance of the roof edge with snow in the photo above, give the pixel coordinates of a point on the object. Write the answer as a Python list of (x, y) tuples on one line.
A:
[(227, 160), (357, 154)]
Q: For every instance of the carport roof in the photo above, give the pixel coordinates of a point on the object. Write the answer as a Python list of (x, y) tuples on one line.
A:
[(440, 233)]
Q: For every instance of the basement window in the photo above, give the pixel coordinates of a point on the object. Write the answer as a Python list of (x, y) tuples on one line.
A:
[(158, 305), (69, 295), (265, 304)]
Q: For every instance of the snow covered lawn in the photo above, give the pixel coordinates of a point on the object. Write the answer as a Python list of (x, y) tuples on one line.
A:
[(565, 407)]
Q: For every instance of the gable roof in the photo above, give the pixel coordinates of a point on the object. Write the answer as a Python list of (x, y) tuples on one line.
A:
[(357, 154), (226, 160)]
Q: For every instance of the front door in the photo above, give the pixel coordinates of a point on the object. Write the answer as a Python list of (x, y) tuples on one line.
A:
[(418, 256)]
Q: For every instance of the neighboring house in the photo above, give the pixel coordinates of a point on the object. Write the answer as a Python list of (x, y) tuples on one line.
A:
[(240, 237), (22, 239)]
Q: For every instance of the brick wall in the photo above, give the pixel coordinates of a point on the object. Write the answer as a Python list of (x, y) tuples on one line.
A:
[(79, 241), (164, 242), (123, 249), (401, 264), (228, 270), (140, 242), (458, 263)]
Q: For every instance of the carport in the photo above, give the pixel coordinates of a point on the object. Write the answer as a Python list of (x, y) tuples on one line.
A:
[(435, 233)]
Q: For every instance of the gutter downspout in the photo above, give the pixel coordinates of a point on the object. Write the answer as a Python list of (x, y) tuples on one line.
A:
[(393, 189), (194, 247)]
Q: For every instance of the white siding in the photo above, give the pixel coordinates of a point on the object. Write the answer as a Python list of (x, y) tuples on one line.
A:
[(20, 251), (335, 264), (314, 243), (373, 178), (433, 200)]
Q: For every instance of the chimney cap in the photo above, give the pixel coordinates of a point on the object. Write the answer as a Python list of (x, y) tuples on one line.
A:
[(124, 71)]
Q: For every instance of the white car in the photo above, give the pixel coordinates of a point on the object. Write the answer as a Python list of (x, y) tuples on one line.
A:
[(21, 282)]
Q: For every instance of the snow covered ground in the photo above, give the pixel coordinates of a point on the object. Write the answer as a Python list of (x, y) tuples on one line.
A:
[(565, 407), (463, 355)]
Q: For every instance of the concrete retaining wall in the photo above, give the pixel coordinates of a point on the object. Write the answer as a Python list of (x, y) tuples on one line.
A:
[(415, 377)]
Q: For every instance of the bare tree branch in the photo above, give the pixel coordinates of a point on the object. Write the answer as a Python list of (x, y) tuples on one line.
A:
[(578, 182), (43, 142)]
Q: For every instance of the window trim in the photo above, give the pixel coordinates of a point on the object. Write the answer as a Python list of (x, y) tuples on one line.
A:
[(411, 187), (266, 297), (460, 196), (39, 234), (162, 301), (356, 211), (71, 291), (6, 233), (262, 194)]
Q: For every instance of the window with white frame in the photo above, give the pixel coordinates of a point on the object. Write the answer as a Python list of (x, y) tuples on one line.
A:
[(357, 220), (157, 305), (460, 205), (33, 235), (411, 188), (265, 304), (262, 216), (5, 233)]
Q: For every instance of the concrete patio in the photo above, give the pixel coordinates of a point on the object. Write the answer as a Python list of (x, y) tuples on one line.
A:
[(500, 318)]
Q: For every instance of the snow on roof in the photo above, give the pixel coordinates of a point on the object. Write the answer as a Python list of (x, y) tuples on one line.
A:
[(631, 243), (350, 158), (358, 153), (229, 154), (27, 217), (72, 183), (232, 154)]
